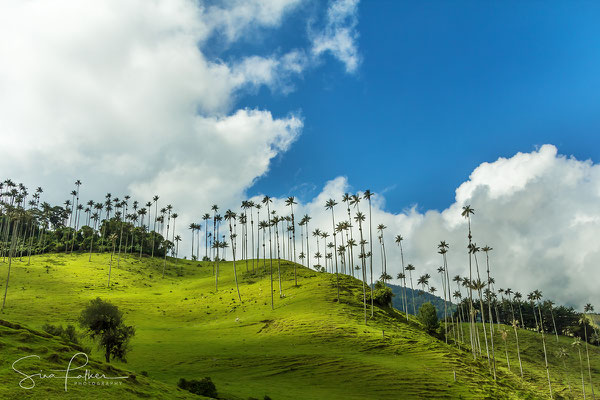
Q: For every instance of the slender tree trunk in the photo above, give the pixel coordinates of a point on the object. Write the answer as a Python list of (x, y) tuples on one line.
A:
[(587, 353), (545, 355), (11, 251), (581, 367)]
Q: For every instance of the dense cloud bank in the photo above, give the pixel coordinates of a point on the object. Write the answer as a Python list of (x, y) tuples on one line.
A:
[(539, 211)]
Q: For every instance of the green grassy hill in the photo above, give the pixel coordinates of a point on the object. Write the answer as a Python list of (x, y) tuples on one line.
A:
[(309, 347), (54, 353)]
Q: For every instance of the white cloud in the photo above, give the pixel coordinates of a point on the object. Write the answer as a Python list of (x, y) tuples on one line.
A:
[(539, 211), (340, 35), (122, 96)]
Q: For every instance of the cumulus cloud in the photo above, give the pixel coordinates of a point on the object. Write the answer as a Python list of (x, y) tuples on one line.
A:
[(122, 96), (538, 211), (340, 35)]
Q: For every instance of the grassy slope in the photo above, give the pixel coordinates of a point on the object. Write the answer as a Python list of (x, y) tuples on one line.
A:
[(309, 347), (17, 341)]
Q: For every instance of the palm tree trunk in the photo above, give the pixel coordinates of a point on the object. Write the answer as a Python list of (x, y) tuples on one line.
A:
[(581, 367), (11, 251), (587, 353), (518, 350), (545, 355), (337, 277)]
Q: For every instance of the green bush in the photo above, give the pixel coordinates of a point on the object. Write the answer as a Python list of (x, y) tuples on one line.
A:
[(382, 295), (68, 333), (202, 387), (428, 317)]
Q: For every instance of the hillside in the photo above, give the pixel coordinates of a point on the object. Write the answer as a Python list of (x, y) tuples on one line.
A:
[(308, 347), (17, 341)]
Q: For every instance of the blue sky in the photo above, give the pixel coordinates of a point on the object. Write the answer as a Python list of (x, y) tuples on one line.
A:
[(442, 87)]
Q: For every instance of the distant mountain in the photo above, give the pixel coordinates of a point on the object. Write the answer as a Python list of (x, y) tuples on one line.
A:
[(420, 299)]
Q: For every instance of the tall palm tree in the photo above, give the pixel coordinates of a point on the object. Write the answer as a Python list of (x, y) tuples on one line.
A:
[(251, 205), (467, 211), (347, 198), (275, 222), (360, 219), (206, 218), (329, 205), (577, 344), (169, 208), (487, 249), (306, 219), (266, 201), (480, 286), (537, 295), (155, 200), (563, 354), (230, 215), (587, 309), (214, 209), (410, 268), (367, 195), (290, 202), (518, 296), (113, 239), (515, 324), (16, 214)]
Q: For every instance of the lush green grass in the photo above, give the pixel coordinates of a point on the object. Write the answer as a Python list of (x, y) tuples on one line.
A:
[(309, 347), (17, 341)]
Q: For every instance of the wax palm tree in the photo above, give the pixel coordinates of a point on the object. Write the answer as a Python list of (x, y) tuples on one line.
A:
[(275, 222), (266, 201), (329, 205), (410, 268), (13, 216), (290, 202), (347, 198), (467, 211), (504, 336), (562, 354), (487, 250), (537, 295), (206, 218), (169, 208), (587, 309), (423, 281), (113, 239), (230, 215), (360, 218), (577, 344), (263, 225), (367, 195), (458, 296), (306, 220), (518, 296), (479, 286)]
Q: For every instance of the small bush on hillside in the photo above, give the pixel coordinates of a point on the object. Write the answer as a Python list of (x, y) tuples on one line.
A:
[(202, 387), (382, 295), (68, 333), (428, 317)]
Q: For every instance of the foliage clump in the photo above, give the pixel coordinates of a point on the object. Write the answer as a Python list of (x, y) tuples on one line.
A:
[(382, 295), (428, 317), (104, 321), (202, 387), (69, 333)]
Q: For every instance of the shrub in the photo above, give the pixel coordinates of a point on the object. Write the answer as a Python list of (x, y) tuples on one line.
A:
[(202, 387), (382, 295), (428, 317), (57, 330)]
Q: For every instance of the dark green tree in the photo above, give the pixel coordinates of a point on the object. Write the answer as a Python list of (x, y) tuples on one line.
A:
[(104, 322)]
